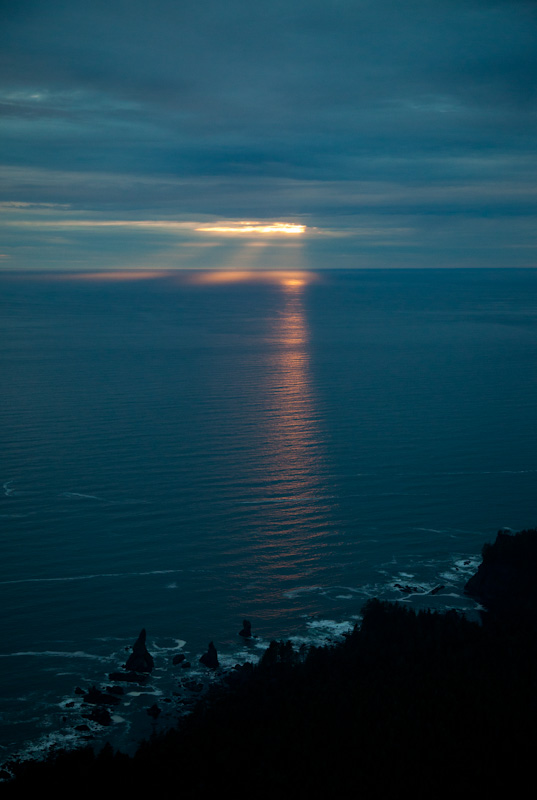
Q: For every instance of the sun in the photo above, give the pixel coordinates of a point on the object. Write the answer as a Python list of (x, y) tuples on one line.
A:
[(249, 228)]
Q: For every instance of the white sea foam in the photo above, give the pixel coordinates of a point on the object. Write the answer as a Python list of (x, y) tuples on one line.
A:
[(56, 654), (329, 625), (111, 639), (228, 660), (7, 490), (80, 494), (468, 564), (93, 576), (431, 530), (322, 631), (422, 589), (178, 644)]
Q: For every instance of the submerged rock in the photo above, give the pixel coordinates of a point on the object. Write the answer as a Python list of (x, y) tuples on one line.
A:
[(128, 677), (98, 698), (115, 690), (140, 659), (210, 658), (193, 686), (154, 711), (408, 588), (100, 715), (178, 659)]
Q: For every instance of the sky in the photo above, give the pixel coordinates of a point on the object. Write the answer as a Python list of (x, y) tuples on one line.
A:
[(170, 134)]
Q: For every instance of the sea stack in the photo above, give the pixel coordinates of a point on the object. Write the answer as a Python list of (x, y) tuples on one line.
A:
[(246, 629), (210, 658), (140, 660)]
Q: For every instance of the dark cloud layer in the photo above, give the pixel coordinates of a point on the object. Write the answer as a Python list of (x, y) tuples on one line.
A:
[(403, 132)]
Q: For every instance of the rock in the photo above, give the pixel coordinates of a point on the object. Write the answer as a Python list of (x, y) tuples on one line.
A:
[(128, 677), (246, 629), (408, 589), (210, 658), (99, 715), (140, 660), (178, 659), (437, 589), (185, 664), (154, 711), (193, 686), (82, 728), (115, 689), (98, 698)]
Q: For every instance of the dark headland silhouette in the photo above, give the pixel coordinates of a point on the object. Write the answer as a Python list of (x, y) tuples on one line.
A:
[(430, 704)]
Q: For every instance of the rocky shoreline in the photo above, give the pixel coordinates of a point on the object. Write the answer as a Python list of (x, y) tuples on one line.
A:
[(421, 697), (137, 670), (116, 705)]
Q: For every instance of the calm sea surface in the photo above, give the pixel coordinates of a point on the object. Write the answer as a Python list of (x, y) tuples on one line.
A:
[(184, 451)]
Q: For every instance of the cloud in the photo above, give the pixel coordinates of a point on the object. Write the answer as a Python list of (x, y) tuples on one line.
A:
[(303, 110)]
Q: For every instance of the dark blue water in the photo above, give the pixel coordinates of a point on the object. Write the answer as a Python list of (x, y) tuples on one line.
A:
[(183, 451)]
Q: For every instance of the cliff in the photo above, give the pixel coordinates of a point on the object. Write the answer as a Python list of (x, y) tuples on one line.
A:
[(506, 580)]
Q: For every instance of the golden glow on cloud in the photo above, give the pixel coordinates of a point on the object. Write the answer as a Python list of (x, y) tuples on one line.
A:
[(292, 280), (241, 228), (289, 279), (249, 228)]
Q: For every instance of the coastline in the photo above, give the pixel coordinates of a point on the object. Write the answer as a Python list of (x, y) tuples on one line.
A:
[(406, 689), (61, 719)]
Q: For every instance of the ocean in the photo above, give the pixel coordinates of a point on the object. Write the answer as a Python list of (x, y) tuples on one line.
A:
[(181, 451)]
